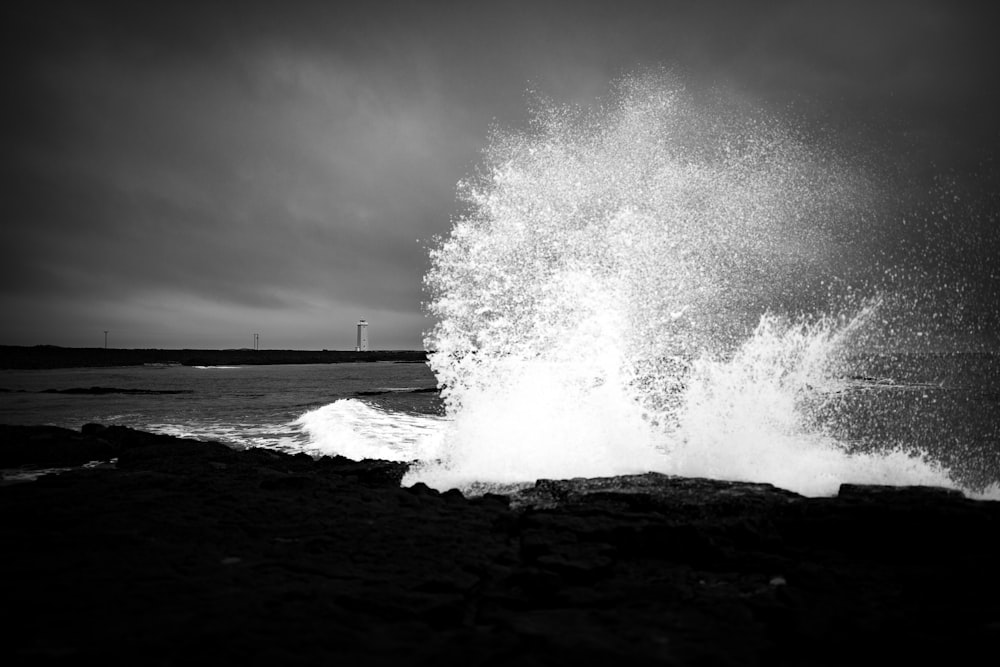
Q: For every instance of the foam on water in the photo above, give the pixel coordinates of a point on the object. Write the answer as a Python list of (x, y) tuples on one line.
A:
[(750, 417), (359, 430), (282, 437), (656, 284), (607, 302)]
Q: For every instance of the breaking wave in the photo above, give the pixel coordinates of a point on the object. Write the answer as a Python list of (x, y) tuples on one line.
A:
[(654, 283)]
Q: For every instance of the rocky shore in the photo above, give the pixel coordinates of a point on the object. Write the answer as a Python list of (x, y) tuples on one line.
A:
[(186, 552)]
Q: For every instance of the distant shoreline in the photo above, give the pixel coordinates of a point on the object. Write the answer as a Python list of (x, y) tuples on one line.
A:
[(49, 356)]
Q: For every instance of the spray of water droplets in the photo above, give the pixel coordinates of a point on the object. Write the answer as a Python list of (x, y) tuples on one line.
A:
[(606, 302)]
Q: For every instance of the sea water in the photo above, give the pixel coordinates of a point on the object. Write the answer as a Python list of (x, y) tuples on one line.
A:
[(942, 407), (653, 283), (283, 407)]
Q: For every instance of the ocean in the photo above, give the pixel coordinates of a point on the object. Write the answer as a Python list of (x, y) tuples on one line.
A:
[(654, 283), (941, 409), (242, 406)]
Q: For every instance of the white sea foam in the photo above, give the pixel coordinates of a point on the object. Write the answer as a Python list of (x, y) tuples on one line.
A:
[(282, 437), (750, 417), (617, 298), (359, 430)]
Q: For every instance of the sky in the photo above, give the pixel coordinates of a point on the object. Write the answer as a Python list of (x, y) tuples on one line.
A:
[(184, 175)]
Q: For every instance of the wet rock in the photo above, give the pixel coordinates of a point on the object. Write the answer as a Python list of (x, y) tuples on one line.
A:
[(371, 472), (49, 446), (192, 551), (874, 492), (277, 481)]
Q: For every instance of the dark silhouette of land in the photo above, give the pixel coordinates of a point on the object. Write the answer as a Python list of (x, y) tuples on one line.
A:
[(50, 356), (188, 552)]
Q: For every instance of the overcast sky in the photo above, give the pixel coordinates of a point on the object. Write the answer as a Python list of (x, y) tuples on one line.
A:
[(187, 174)]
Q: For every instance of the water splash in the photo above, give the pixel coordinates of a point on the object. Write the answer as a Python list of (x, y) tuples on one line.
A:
[(605, 303), (359, 430), (754, 416)]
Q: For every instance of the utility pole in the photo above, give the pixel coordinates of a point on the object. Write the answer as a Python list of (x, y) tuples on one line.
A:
[(105, 340)]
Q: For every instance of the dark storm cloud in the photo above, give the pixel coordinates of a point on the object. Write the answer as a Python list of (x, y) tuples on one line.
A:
[(257, 175), (278, 163), (917, 68)]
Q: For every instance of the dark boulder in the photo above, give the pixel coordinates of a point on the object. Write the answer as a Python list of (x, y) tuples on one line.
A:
[(50, 446)]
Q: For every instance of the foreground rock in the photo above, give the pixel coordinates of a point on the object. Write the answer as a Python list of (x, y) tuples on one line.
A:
[(191, 552)]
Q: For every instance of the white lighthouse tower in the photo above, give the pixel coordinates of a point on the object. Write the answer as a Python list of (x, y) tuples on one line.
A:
[(362, 336)]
